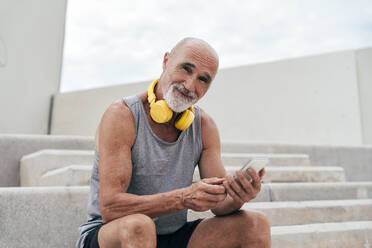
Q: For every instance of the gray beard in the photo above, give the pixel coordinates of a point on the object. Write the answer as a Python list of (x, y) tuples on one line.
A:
[(176, 103)]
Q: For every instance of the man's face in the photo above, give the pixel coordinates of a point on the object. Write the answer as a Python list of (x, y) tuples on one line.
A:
[(188, 73)]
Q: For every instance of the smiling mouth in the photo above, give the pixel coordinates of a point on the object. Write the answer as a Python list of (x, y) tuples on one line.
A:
[(183, 94)]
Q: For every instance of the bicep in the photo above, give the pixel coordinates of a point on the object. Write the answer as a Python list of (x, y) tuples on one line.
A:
[(116, 136), (210, 164)]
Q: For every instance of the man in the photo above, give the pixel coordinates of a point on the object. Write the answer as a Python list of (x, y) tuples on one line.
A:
[(146, 152)]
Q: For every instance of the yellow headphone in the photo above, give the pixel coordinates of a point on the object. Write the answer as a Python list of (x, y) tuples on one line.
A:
[(161, 113)]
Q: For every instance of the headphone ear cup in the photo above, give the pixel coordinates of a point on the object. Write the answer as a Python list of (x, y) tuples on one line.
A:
[(160, 112), (185, 120)]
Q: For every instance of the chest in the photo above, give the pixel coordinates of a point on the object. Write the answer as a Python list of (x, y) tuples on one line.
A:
[(165, 132)]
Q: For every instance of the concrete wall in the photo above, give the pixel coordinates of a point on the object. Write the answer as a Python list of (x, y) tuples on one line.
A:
[(364, 69), (31, 42), (78, 113), (310, 100)]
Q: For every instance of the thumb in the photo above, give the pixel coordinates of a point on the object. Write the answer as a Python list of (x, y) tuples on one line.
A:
[(261, 173), (214, 180)]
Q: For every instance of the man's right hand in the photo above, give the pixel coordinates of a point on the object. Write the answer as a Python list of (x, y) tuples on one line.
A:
[(204, 195)]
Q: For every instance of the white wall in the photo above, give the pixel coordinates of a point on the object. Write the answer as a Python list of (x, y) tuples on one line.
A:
[(78, 113), (32, 34), (364, 66), (310, 100)]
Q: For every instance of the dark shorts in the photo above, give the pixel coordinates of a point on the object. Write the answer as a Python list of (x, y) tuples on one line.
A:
[(178, 239)]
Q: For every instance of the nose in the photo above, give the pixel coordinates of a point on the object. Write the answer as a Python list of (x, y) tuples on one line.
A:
[(189, 84)]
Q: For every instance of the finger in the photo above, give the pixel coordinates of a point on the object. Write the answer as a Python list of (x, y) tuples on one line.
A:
[(213, 189), (253, 175), (236, 187), (201, 205), (203, 196), (250, 192), (214, 180), (221, 197), (261, 173), (232, 193), (256, 180), (247, 186)]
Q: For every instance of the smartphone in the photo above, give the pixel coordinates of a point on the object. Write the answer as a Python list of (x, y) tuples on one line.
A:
[(256, 163)]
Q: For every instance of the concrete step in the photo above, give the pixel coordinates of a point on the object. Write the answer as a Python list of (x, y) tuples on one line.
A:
[(271, 192), (72, 175), (355, 159), (305, 174), (46, 216), (14, 146), (306, 212), (79, 175), (39, 213), (324, 235), (295, 174), (239, 159), (35, 165), (319, 191)]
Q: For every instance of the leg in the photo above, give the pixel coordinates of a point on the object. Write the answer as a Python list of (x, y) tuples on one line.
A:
[(135, 230), (241, 229)]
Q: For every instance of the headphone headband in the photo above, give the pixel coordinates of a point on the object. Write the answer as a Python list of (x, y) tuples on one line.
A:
[(151, 92)]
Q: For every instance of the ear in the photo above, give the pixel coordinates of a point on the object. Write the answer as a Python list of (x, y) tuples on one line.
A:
[(165, 60)]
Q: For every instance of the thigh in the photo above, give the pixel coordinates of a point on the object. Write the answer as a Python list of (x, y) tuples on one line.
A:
[(224, 231), (113, 233)]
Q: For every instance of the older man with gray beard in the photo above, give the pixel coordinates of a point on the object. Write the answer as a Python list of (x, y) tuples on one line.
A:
[(147, 147)]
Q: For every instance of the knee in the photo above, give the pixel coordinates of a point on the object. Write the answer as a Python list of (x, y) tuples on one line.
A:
[(256, 227), (254, 220), (137, 226)]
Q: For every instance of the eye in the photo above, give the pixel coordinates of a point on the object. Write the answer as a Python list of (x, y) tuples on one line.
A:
[(188, 69), (204, 79)]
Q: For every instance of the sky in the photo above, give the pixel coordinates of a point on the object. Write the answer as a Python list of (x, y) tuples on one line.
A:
[(120, 41)]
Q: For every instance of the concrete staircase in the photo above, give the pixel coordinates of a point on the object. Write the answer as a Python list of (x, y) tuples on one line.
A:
[(307, 205), (54, 167), (72, 168)]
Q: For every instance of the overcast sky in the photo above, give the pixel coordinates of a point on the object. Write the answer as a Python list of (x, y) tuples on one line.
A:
[(120, 41)]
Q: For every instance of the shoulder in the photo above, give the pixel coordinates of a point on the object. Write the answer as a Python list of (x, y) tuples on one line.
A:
[(117, 111), (207, 121), (117, 125), (209, 128)]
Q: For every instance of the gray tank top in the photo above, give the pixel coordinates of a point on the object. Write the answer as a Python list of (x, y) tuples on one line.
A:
[(158, 167)]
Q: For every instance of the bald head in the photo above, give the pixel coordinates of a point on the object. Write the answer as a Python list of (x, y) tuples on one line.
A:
[(195, 44), (191, 66)]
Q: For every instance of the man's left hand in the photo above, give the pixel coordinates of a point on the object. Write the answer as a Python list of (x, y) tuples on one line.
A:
[(245, 190)]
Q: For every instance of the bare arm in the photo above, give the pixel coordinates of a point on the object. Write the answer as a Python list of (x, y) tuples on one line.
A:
[(116, 137), (116, 134), (210, 165)]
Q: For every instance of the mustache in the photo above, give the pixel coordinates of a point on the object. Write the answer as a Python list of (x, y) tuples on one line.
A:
[(185, 91)]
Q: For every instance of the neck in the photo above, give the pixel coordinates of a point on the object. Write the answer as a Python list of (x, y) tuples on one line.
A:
[(158, 93), (174, 118), (146, 105)]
